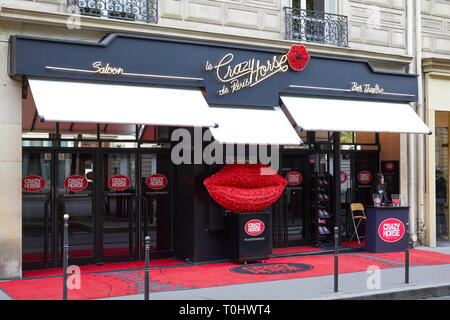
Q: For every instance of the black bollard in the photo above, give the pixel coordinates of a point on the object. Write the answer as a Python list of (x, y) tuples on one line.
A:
[(147, 267), (407, 254), (336, 267), (65, 254)]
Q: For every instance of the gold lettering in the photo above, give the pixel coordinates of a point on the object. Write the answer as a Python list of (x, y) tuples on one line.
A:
[(108, 70), (247, 73), (366, 88)]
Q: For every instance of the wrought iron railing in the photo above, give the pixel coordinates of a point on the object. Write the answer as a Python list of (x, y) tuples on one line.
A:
[(135, 10), (315, 26)]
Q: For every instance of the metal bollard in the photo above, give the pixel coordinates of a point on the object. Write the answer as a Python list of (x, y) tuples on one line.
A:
[(147, 267), (407, 254), (336, 266), (65, 254)]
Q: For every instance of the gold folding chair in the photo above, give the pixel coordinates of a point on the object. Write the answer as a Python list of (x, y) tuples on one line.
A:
[(358, 215)]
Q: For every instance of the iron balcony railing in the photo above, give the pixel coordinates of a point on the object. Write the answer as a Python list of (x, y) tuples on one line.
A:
[(135, 10), (315, 26)]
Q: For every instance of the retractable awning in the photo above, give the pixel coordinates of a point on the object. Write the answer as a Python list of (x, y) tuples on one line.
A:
[(248, 125), (117, 103), (316, 114)]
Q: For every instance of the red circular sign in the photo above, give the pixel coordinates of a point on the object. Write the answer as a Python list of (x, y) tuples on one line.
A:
[(33, 183), (156, 181), (389, 166), (75, 183), (344, 177), (119, 182), (294, 178), (391, 230), (254, 227), (365, 177)]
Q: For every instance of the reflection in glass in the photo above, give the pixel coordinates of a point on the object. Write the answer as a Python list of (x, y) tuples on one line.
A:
[(36, 226), (156, 203), (119, 200), (78, 205), (442, 174)]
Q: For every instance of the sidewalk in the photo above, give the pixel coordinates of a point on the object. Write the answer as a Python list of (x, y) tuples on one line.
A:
[(424, 282), (428, 278)]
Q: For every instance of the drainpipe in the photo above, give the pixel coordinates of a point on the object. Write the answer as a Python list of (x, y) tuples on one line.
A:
[(420, 138), (411, 153)]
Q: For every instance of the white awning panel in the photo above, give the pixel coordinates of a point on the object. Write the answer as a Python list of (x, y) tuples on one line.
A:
[(113, 103), (317, 114), (245, 125)]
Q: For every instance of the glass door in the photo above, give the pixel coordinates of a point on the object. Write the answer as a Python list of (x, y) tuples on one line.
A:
[(37, 229), (75, 190), (119, 197), (289, 224), (156, 199)]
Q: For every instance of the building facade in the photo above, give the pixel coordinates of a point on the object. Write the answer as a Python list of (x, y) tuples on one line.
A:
[(394, 36)]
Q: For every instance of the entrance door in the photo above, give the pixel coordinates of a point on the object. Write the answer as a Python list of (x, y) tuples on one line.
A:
[(289, 222), (119, 200), (37, 227), (156, 200), (114, 198), (75, 187), (366, 167)]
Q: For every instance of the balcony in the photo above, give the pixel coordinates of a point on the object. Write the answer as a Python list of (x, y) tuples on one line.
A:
[(317, 27), (133, 10)]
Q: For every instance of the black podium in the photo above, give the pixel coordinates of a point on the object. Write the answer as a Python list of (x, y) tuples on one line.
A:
[(251, 236), (386, 229)]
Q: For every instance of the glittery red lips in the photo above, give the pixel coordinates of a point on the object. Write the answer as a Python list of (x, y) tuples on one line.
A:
[(298, 57), (245, 187)]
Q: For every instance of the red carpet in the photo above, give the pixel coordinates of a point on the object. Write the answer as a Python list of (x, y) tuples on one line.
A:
[(354, 243), (300, 249), (103, 268), (126, 282)]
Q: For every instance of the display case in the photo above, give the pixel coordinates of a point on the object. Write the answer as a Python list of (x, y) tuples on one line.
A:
[(321, 209)]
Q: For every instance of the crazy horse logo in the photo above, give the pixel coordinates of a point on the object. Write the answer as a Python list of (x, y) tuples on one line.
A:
[(236, 75), (272, 268)]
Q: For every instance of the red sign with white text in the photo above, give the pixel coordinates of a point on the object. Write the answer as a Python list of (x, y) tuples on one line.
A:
[(391, 230), (75, 183), (389, 166), (119, 182), (254, 227), (156, 181), (294, 178), (33, 183), (365, 177), (344, 177)]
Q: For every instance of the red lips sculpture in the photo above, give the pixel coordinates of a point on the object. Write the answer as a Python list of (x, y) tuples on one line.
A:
[(245, 187), (298, 57)]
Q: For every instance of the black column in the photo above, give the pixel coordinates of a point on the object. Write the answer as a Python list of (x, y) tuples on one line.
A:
[(337, 180)]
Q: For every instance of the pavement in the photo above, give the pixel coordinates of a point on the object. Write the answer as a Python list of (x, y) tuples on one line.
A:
[(425, 283)]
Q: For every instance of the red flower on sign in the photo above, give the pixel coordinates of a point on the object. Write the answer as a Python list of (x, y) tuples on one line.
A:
[(245, 187), (298, 57)]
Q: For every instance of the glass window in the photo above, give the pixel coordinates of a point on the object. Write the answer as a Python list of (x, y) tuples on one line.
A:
[(442, 175)]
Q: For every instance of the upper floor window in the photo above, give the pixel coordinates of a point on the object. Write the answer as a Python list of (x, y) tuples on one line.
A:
[(328, 6), (136, 10), (316, 21)]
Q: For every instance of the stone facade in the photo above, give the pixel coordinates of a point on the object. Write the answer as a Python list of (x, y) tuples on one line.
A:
[(436, 28), (377, 24)]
